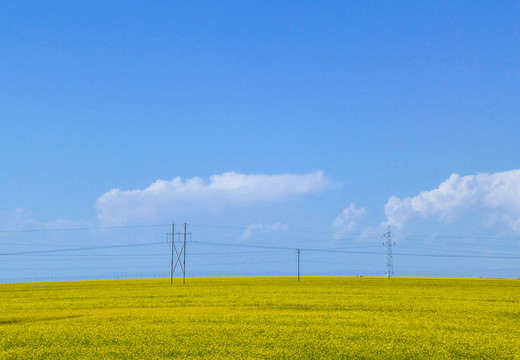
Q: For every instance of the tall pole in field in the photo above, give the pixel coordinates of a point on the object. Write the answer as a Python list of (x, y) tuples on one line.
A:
[(180, 254), (184, 259), (389, 259), (298, 251), (171, 269)]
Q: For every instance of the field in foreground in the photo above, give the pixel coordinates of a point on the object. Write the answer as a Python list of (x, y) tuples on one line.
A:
[(320, 317)]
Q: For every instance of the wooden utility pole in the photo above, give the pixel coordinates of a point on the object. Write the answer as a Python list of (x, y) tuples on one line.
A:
[(298, 251)]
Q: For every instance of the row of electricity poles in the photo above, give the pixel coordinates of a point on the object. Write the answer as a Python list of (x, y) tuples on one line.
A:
[(181, 253)]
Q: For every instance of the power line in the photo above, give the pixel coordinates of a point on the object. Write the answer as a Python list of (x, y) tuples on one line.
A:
[(82, 228), (343, 250), (358, 235), (246, 249), (362, 234), (462, 252), (466, 237), (243, 245), (490, 256), (476, 256), (79, 249), (243, 228)]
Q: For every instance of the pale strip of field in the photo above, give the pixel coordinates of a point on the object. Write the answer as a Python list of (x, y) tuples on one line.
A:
[(275, 318)]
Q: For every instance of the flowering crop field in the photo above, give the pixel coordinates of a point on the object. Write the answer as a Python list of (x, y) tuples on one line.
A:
[(262, 318)]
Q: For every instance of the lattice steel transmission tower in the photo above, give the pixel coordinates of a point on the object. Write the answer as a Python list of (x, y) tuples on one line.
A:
[(389, 260)]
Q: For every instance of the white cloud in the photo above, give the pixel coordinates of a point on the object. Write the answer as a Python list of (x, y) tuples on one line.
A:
[(493, 198), (277, 226), (17, 219), (61, 224), (126, 206), (346, 221), (23, 219)]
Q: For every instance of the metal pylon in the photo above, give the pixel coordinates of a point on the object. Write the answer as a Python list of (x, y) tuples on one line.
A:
[(389, 259)]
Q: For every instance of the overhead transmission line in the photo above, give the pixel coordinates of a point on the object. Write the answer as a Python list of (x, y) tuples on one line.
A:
[(340, 251), (79, 249), (81, 228)]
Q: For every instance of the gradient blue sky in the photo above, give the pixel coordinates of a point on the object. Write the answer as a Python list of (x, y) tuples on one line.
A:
[(272, 116)]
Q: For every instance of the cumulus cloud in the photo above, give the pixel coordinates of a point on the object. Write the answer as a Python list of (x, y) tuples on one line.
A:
[(346, 221), (493, 198), (231, 188), (17, 219), (61, 224), (250, 229), (23, 219)]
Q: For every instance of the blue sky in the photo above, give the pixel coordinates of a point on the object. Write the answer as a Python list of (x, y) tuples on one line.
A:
[(286, 123)]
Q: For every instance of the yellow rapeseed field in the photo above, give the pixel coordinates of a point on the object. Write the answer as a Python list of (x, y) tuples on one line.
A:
[(262, 318)]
